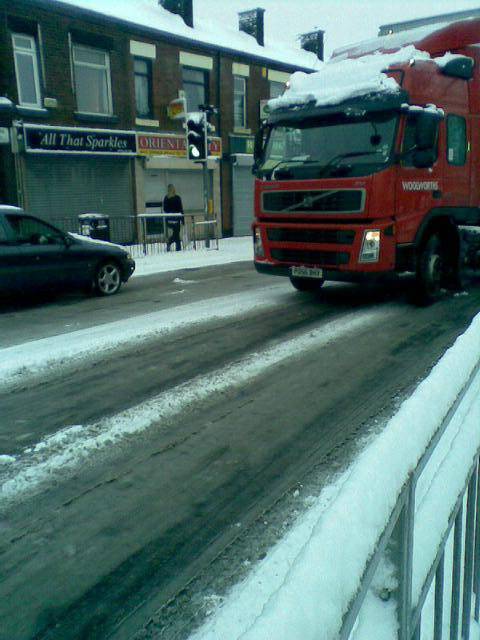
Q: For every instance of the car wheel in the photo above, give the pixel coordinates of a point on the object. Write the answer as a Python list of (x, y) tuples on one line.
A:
[(431, 271), (306, 284), (108, 279)]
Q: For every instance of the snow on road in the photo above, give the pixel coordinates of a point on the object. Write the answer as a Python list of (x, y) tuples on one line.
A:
[(307, 581), (230, 250), (68, 448), (20, 362)]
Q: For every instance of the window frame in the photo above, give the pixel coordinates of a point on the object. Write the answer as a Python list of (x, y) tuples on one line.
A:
[(243, 126), (451, 117), (91, 65), (205, 84), (33, 52), (149, 76)]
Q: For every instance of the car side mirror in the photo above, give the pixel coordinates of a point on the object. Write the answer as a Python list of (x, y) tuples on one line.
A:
[(68, 240)]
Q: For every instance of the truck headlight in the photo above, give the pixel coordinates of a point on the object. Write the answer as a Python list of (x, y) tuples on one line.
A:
[(257, 244), (370, 246)]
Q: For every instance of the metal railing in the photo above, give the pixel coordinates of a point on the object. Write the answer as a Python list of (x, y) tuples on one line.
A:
[(397, 541), (148, 234)]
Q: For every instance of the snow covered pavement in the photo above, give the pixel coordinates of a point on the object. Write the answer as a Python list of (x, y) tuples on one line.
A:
[(230, 250), (308, 580)]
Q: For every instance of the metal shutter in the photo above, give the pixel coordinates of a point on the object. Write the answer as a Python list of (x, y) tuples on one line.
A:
[(64, 186), (243, 186), (188, 185)]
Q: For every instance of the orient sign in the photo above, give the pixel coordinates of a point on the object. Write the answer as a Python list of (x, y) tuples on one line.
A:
[(161, 145), (73, 140), (154, 144)]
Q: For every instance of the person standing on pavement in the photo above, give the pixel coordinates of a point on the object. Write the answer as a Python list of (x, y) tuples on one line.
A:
[(172, 203)]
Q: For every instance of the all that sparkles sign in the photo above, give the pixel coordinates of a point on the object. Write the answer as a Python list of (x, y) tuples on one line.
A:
[(70, 140)]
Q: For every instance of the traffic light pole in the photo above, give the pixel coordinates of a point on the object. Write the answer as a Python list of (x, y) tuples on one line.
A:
[(207, 199)]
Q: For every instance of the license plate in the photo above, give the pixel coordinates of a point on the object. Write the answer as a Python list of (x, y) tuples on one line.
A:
[(306, 272)]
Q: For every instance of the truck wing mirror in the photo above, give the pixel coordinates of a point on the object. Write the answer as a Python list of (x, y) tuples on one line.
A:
[(424, 158), (426, 131), (258, 149), (461, 67)]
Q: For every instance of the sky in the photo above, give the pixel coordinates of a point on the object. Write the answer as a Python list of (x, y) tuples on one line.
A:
[(344, 21)]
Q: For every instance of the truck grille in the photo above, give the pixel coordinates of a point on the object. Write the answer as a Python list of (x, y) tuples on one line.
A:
[(320, 201), (334, 258), (311, 236)]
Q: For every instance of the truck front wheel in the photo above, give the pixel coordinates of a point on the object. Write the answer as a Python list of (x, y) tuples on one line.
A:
[(306, 284), (431, 271)]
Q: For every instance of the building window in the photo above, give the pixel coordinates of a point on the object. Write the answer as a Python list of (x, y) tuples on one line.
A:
[(276, 89), (456, 140), (195, 85), (26, 70), (91, 69), (239, 102), (143, 87)]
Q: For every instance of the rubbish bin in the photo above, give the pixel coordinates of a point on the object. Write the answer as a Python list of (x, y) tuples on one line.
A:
[(95, 225)]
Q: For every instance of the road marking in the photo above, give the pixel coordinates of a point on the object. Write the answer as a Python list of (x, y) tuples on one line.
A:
[(65, 450)]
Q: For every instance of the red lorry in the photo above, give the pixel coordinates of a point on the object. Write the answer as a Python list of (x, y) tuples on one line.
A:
[(381, 182)]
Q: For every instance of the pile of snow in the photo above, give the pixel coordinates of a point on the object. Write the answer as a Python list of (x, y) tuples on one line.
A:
[(347, 79), (230, 250), (150, 14), (305, 585)]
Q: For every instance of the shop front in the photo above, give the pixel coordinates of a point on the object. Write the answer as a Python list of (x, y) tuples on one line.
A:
[(67, 171), (162, 160), (241, 154)]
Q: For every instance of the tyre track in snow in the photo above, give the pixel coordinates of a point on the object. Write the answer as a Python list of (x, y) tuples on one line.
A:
[(117, 541)]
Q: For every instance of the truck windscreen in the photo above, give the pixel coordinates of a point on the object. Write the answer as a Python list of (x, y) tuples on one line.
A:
[(332, 147)]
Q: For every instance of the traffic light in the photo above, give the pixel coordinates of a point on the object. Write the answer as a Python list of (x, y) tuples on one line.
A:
[(196, 137)]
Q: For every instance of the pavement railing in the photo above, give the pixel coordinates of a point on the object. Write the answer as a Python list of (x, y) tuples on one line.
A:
[(148, 234), (398, 543)]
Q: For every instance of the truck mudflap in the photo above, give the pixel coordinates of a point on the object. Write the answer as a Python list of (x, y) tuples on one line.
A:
[(344, 252)]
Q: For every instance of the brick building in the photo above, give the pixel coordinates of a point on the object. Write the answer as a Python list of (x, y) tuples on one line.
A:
[(87, 128)]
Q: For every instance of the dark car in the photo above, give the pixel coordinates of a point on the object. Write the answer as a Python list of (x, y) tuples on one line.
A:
[(36, 255)]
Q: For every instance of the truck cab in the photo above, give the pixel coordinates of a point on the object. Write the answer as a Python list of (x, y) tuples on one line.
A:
[(378, 183)]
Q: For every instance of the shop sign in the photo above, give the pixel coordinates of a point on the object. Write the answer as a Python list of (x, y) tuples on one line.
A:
[(264, 109), (242, 144), (73, 140), (158, 144)]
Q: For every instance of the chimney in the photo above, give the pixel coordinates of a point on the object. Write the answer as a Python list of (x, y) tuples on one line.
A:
[(251, 22), (313, 42), (183, 8)]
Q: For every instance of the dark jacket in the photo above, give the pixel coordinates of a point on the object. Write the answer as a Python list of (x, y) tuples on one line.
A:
[(173, 205)]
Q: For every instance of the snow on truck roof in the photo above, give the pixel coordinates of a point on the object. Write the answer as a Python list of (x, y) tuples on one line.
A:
[(344, 79), (149, 14)]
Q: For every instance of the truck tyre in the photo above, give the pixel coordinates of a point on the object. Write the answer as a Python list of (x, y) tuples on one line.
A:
[(307, 284), (431, 271)]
